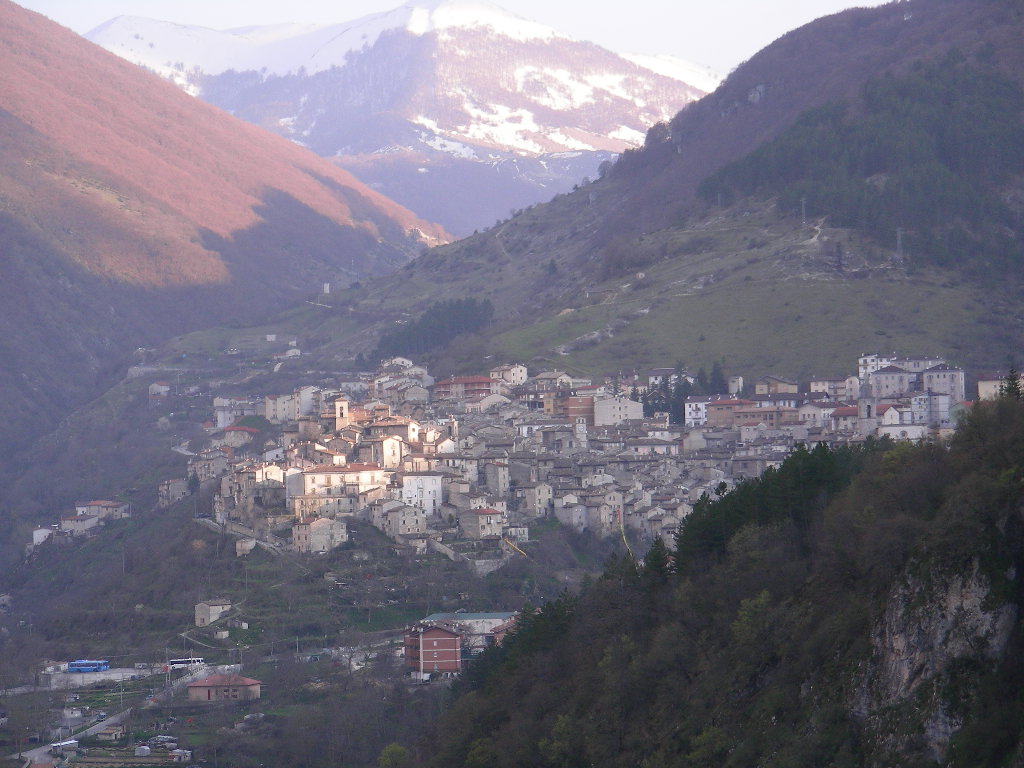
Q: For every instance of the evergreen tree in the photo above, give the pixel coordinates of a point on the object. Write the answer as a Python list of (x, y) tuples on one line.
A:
[(718, 384), (656, 564), (1010, 388), (702, 382)]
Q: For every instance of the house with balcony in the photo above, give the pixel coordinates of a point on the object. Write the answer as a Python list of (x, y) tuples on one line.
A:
[(432, 650)]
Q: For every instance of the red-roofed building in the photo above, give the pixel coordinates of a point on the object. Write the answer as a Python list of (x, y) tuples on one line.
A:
[(77, 525), (224, 688), (844, 419)]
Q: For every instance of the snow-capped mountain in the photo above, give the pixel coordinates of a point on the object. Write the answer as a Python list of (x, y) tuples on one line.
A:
[(425, 89), (282, 49)]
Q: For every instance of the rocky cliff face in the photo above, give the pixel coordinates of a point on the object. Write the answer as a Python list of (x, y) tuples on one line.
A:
[(939, 630)]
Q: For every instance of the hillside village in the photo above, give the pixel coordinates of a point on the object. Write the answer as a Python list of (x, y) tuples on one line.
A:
[(464, 465)]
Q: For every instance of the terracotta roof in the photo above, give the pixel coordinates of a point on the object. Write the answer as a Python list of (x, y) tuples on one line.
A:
[(223, 681)]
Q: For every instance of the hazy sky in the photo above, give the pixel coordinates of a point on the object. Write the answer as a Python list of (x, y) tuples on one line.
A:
[(717, 33)]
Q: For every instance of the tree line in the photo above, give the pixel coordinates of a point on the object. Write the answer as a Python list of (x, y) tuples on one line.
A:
[(436, 327), (750, 641), (671, 393)]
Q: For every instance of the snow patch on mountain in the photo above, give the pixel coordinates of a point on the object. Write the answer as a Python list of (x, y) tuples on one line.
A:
[(628, 135), (554, 88), (501, 126), (569, 142), (704, 78), (613, 83), (453, 148)]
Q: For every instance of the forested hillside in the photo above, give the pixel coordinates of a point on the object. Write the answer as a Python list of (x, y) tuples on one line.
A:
[(857, 607), (927, 152)]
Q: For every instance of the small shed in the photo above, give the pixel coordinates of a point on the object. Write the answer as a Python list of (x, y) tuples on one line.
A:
[(114, 732)]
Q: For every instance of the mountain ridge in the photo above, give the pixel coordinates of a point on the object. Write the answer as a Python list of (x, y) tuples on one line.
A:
[(635, 269), (412, 98), (132, 213)]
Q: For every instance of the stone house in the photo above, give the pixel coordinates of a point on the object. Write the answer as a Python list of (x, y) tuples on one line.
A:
[(483, 523), (385, 450), (171, 491), (320, 535), (403, 520), (511, 374), (208, 464), (815, 413), (944, 379), (889, 381), (534, 499), (773, 385), (209, 611), (844, 419), (609, 411)]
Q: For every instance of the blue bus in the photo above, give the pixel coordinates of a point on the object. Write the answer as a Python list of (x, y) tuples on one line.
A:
[(88, 665)]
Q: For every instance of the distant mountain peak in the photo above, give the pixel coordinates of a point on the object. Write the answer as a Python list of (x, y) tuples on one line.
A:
[(170, 49), (437, 15), (436, 82)]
